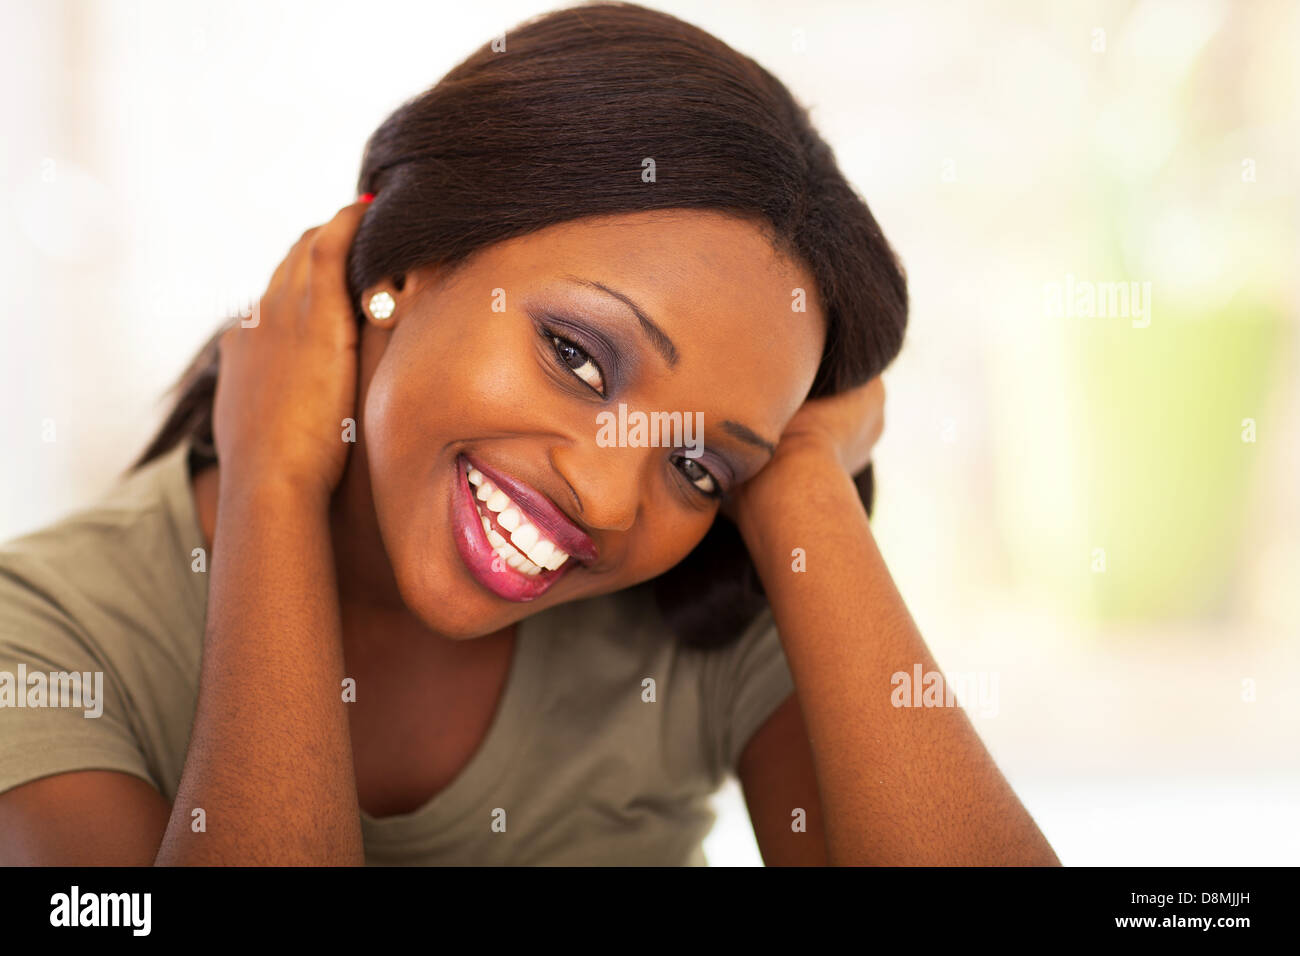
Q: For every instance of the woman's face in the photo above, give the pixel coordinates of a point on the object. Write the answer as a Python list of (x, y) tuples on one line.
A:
[(688, 314)]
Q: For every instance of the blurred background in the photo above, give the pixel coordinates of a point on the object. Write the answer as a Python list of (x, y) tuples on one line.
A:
[(1087, 488)]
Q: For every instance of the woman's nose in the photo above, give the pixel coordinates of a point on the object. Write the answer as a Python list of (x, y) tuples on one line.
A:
[(606, 482)]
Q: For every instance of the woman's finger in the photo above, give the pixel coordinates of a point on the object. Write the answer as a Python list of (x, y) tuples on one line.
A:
[(300, 260), (285, 271), (329, 249), (306, 270)]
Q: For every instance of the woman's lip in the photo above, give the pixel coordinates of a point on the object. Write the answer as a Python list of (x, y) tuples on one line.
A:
[(481, 558), (539, 510)]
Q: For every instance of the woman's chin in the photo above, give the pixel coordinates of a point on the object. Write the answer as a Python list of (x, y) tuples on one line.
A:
[(452, 612)]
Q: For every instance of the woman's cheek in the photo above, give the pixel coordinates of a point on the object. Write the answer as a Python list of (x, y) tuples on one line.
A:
[(502, 374), (416, 394), (669, 545), (376, 414)]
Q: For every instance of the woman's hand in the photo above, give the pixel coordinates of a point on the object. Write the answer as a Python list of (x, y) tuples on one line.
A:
[(848, 425), (287, 379), (825, 432)]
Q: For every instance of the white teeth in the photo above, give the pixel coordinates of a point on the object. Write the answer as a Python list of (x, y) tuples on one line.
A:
[(525, 550), (525, 537), (512, 557), (517, 561), (541, 553)]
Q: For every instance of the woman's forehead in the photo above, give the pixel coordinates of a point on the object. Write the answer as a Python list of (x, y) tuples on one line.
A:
[(736, 312)]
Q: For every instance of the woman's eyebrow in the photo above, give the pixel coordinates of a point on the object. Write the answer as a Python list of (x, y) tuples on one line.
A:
[(745, 434), (658, 337), (664, 345)]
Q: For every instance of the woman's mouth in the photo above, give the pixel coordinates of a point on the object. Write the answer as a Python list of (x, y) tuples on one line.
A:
[(503, 533)]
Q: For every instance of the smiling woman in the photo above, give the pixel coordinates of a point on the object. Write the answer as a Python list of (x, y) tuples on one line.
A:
[(617, 212), (511, 144), (525, 409)]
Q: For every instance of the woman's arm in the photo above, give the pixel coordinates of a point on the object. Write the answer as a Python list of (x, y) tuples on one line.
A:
[(270, 754), (898, 785)]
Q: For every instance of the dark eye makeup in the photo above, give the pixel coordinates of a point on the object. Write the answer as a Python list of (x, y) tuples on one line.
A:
[(578, 361)]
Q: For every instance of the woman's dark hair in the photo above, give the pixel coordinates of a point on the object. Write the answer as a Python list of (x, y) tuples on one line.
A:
[(555, 127)]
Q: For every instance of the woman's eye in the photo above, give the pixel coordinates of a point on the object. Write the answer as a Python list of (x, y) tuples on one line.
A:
[(579, 362), (700, 477)]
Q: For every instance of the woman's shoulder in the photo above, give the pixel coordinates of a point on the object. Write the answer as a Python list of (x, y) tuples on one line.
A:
[(110, 595), (123, 563)]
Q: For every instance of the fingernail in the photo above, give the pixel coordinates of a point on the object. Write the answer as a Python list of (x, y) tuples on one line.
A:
[(366, 197)]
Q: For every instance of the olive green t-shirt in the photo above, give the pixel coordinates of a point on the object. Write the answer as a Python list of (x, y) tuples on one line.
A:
[(577, 764)]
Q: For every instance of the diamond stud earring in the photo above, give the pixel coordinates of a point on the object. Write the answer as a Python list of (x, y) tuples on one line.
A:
[(382, 305)]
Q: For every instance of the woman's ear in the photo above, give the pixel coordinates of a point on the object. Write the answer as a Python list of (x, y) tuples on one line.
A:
[(384, 302), (402, 293)]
